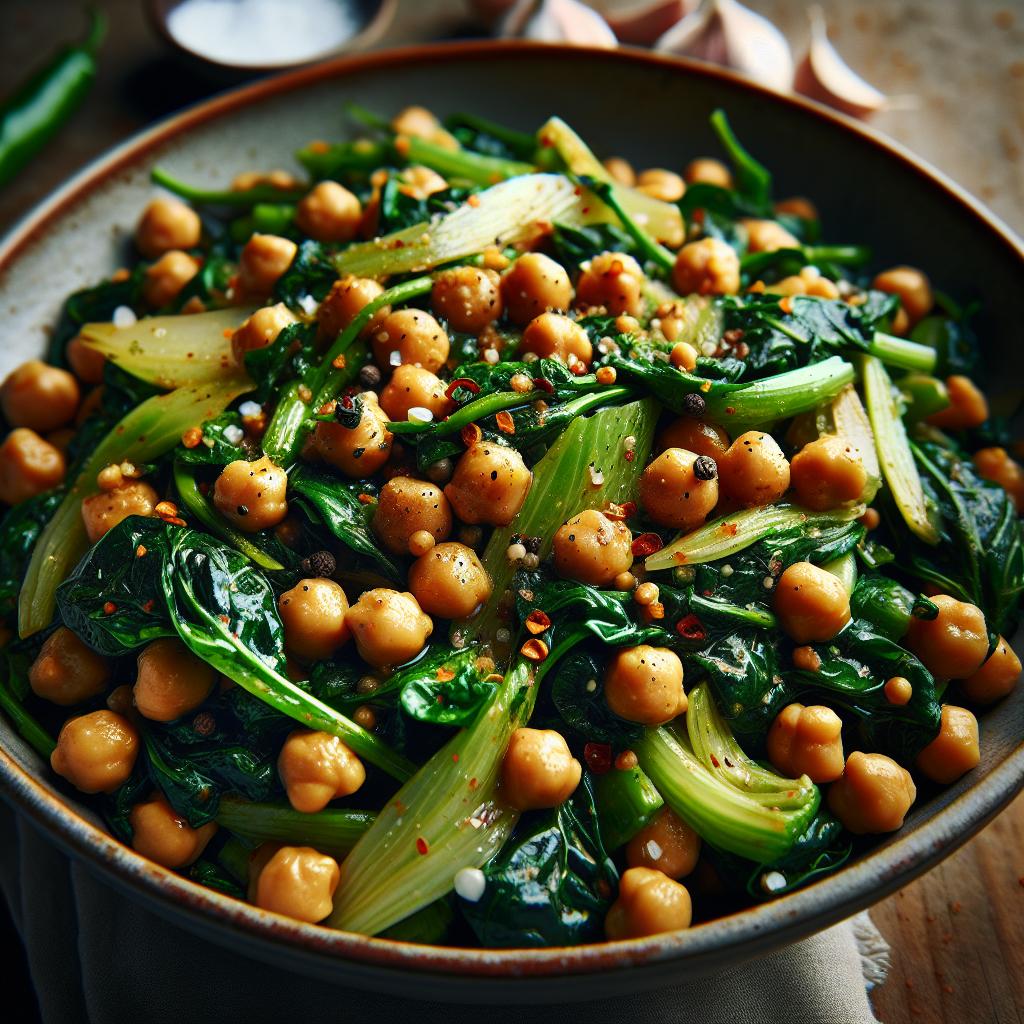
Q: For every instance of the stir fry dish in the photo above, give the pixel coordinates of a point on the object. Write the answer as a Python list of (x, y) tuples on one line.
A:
[(478, 542)]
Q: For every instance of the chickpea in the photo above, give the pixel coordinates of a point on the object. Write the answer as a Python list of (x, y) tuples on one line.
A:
[(263, 260), (997, 676), (420, 123), (666, 844), (39, 397), (165, 278), (695, 436), (954, 644), (754, 471), (798, 206), (96, 752), (412, 387), (767, 235), (167, 224), (613, 280), (467, 297), (873, 794), (417, 338), (102, 512), (679, 488), (405, 506), (538, 770), (164, 836), (251, 495), (171, 680), (66, 671), (811, 604), (86, 363), (620, 170), (645, 685), (554, 336), (28, 466), (707, 171), (389, 627), (967, 409), (489, 485), (419, 182), (807, 741), (449, 581), (827, 473), (329, 213), (348, 296), (535, 284), (357, 451), (313, 613), (649, 903), (260, 330), (996, 465), (298, 882), (591, 548), (955, 751), (706, 267), (913, 288), (661, 184), (317, 768)]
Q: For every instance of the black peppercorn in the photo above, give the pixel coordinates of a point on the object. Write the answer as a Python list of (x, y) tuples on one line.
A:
[(705, 468), (320, 563), (694, 404), (369, 376)]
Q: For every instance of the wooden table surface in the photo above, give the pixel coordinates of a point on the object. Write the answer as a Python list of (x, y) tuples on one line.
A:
[(958, 933)]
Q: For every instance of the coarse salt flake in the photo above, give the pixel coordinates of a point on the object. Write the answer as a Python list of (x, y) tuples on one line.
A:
[(773, 881), (249, 409), (309, 305), (124, 316), (233, 434), (395, 359), (727, 570), (470, 884), (653, 850)]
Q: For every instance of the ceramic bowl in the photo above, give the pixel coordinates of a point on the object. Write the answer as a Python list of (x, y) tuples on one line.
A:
[(654, 111)]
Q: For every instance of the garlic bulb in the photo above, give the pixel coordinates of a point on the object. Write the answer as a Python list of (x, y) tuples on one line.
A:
[(641, 26), (725, 32), (823, 75), (557, 21)]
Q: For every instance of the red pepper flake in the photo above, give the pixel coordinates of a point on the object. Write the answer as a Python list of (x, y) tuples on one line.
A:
[(714, 761), (227, 332), (470, 434), (455, 758), (542, 384), (140, 551), (328, 408), (646, 544), (445, 675), (655, 610), (473, 200), (367, 499), (598, 757), (680, 557), (192, 437), (537, 621), (473, 783), (338, 362), (630, 455), (109, 608), (534, 649), (730, 410), (691, 628), (421, 846), (729, 529), (148, 606), (462, 382), (546, 141), (506, 424), (786, 303)]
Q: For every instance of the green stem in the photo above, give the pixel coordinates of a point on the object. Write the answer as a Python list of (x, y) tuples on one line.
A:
[(193, 499), (464, 164), (906, 355), (334, 830), (225, 197), (25, 724), (651, 249)]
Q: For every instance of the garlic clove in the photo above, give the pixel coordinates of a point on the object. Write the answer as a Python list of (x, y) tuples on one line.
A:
[(824, 76), (557, 21), (641, 26), (725, 32)]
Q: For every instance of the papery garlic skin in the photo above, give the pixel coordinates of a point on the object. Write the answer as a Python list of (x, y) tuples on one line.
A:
[(824, 76), (558, 21), (727, 33)]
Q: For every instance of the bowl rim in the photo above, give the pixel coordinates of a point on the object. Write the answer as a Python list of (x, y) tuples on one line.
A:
[(756, 930)]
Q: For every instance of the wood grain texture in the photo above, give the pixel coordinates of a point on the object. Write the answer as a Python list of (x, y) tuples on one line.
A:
[(958, 933)]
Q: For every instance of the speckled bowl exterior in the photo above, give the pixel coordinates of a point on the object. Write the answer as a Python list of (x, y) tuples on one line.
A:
[(654, 111)]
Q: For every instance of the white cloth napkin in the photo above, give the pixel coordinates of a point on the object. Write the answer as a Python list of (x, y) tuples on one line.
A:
[(97, 957)]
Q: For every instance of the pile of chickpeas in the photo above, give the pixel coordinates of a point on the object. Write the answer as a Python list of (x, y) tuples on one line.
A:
[(437, 521)]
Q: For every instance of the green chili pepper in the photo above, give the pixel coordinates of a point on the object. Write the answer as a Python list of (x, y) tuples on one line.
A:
[(34, 113)]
